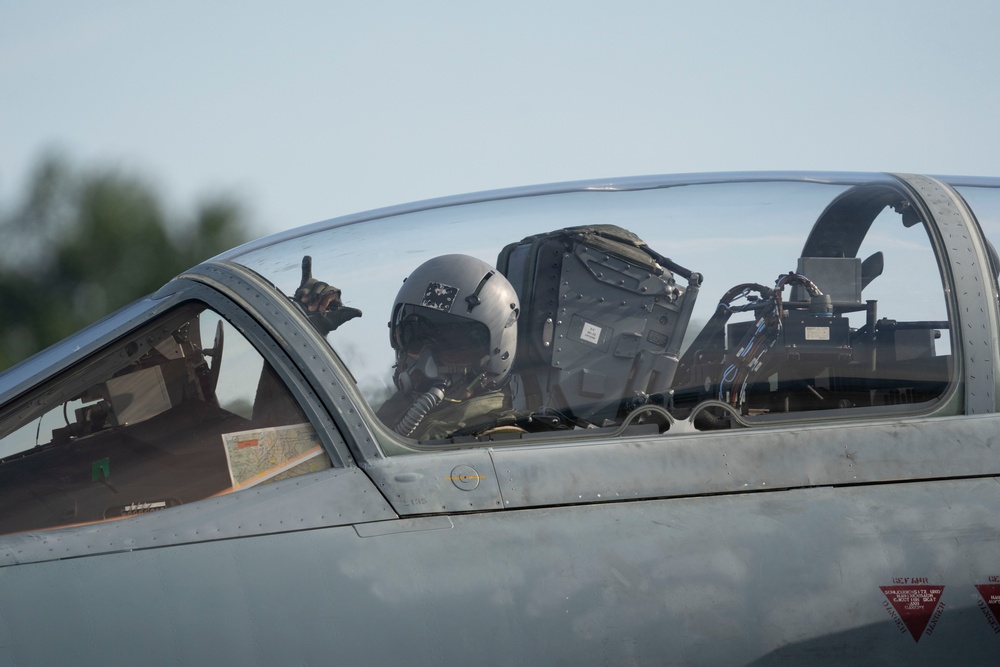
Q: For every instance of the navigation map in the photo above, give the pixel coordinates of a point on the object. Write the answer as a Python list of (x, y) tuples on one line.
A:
[(270, 454)]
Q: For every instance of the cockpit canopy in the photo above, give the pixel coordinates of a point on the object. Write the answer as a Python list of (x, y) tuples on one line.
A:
[(719, 300)]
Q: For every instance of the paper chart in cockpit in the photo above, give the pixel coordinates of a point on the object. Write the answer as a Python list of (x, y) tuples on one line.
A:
[(260, 455)]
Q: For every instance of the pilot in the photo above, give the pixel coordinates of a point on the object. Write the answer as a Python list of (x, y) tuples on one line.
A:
[(453, 327)]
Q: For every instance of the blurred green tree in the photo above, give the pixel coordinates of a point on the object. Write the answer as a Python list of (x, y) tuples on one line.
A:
[(84, 242)]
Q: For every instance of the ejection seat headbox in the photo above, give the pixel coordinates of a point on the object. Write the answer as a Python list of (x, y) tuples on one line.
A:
[(602, 319)]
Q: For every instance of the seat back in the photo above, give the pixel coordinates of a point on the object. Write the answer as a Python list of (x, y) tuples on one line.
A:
[(602, 319)]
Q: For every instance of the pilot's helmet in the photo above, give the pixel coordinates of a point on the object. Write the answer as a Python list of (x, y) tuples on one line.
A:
[(454, 325)]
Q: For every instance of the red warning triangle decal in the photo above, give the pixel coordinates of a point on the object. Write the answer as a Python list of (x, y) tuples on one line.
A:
[(914, 604), (991, 596)]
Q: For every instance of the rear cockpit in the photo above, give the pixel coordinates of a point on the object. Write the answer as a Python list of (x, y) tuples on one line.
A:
[(692, 306)]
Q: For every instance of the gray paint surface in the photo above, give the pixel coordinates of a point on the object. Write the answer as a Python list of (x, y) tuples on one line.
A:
[(767, 545), (714, 581)]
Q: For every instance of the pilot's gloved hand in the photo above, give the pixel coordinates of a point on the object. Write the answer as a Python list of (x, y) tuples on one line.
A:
[(321, 301), (317, 296), (331, 319)]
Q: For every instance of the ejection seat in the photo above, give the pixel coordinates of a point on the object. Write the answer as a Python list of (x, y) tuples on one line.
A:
[(602, 319)]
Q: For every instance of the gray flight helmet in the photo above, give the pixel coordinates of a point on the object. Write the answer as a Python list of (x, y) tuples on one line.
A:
[(454, 320)]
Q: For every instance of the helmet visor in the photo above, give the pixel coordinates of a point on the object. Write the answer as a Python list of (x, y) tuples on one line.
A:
[(453, 340)]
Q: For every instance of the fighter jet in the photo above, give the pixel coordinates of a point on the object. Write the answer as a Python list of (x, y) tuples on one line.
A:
[(697, 419)]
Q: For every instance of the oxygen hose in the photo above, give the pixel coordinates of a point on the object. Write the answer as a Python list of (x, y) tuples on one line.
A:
[(424, 404)]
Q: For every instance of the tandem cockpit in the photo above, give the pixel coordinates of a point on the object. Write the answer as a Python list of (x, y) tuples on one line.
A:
[(639, 308), (704, 306)]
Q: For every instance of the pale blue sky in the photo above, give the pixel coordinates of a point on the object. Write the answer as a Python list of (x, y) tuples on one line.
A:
[(307, 110)]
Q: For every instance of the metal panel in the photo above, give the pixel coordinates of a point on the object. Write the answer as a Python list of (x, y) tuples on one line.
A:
[(786, 578), (747, 460), (329, 498), (968, 262), (448, 481)]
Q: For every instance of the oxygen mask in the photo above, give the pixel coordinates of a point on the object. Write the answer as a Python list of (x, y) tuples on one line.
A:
[(436, 349)]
